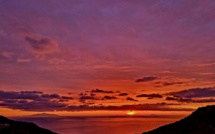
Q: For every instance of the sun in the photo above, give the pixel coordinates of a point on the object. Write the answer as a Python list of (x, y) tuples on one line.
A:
[(131, 112)]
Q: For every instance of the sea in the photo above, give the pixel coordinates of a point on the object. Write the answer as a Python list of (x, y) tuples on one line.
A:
[(100, 125)]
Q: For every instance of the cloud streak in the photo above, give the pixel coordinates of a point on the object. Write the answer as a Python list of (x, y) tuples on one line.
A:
[(168, 83), (158, 106)]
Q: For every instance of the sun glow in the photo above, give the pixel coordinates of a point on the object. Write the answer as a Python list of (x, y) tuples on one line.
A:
[(131, 113)]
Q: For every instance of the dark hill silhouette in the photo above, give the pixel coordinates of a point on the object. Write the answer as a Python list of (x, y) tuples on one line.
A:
[(8, 126), (42, 115), (201, 121)]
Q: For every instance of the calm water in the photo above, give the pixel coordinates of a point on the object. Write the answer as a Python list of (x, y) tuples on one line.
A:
[(101, 125)]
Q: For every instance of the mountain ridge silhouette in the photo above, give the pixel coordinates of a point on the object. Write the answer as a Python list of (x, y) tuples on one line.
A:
[(201, 121), (8, 126)]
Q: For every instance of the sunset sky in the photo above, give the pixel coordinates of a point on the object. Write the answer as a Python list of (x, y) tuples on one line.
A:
[(62, 56)]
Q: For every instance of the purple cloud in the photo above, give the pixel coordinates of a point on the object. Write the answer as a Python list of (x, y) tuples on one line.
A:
[(190, 100), (41, 45), (100, 91), (146, 79), (123, 94), (34, 105), (171, 98), (130, 99), (32, 100), (195, 92), (38, 101), (193, 95), (150, 96), (168, 83), (108, 97), (85, 97)]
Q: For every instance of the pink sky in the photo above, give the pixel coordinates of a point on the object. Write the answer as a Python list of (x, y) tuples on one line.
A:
[(104, 55)]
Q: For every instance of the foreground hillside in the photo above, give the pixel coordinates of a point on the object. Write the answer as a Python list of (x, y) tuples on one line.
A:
[(8, 126), (201, 121)]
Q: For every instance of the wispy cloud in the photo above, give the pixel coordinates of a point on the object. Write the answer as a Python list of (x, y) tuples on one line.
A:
[(7, 55), (23, 60), (206, 64), (158, 106), (2, 32)]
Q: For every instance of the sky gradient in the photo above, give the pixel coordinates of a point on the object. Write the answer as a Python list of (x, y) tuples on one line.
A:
[(84, 55)]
